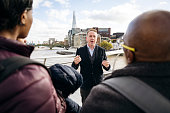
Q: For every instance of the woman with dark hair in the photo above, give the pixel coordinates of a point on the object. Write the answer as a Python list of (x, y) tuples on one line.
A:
[(29, 89)]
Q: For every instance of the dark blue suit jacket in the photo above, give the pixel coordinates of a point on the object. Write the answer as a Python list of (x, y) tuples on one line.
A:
[(91, 68)]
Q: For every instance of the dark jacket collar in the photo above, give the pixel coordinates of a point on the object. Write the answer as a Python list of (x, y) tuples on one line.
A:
[(144, 69), (16, 47)]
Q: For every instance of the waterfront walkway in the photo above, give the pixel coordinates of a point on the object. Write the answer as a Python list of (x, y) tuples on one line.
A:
[(116, 61)]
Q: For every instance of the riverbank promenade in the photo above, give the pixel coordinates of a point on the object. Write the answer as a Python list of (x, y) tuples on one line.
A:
[(49, 57)]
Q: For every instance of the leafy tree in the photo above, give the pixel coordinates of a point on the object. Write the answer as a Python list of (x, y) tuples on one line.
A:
[(59, 44), (106, 45), (113, 41)]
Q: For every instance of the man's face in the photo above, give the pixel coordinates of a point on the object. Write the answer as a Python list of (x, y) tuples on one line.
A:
[(91, 38)]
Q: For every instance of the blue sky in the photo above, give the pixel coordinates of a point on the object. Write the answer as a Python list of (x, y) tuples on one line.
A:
[(53, 18)]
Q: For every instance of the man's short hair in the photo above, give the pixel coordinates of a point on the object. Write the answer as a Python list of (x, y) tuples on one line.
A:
[(94, 30)]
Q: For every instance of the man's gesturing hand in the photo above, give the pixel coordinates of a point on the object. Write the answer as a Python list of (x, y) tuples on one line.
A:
[(105, 63), (77, 59)]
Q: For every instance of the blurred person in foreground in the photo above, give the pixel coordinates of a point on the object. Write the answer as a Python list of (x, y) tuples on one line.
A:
[(91, 59), (66, 81), (29, 89), (147, 50)]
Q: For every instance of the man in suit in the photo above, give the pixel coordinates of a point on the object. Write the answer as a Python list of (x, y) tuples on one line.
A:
[(91, 59)]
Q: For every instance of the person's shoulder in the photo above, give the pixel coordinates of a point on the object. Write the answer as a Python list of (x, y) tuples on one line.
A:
[(31, 79), (35, 75), (102, 89), (81, 48), (38, 78), (35, 69), (107, 100), (105, 97), (100, 48)]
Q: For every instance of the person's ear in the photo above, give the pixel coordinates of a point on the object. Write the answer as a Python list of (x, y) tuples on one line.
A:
[(23, 18), (129, 56)]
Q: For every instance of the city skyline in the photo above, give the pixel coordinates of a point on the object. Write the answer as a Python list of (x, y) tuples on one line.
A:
[(53, 18)]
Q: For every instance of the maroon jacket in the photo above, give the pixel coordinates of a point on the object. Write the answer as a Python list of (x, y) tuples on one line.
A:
[(28, 90)]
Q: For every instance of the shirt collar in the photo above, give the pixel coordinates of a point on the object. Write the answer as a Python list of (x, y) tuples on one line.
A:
[(90, 48)]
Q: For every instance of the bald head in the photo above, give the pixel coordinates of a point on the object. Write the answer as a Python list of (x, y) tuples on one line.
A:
[(149, 33)]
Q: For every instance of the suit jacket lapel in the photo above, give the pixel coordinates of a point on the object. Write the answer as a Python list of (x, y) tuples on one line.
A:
[(87, 54), (95, 53)]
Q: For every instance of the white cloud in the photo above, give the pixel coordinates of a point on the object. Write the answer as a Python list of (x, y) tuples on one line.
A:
[(63, 2), (163, 3), (133, 1), (38, 28), (61, 15), (96, 1), (117, 17), (43, 30), (36, 3), (47, 4)]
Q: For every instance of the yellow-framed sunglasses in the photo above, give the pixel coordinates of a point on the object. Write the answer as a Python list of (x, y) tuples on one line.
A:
[(127, 47)]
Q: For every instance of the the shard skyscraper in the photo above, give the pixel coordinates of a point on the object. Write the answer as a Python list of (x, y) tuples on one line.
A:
[(73, 31), (74, 21)]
